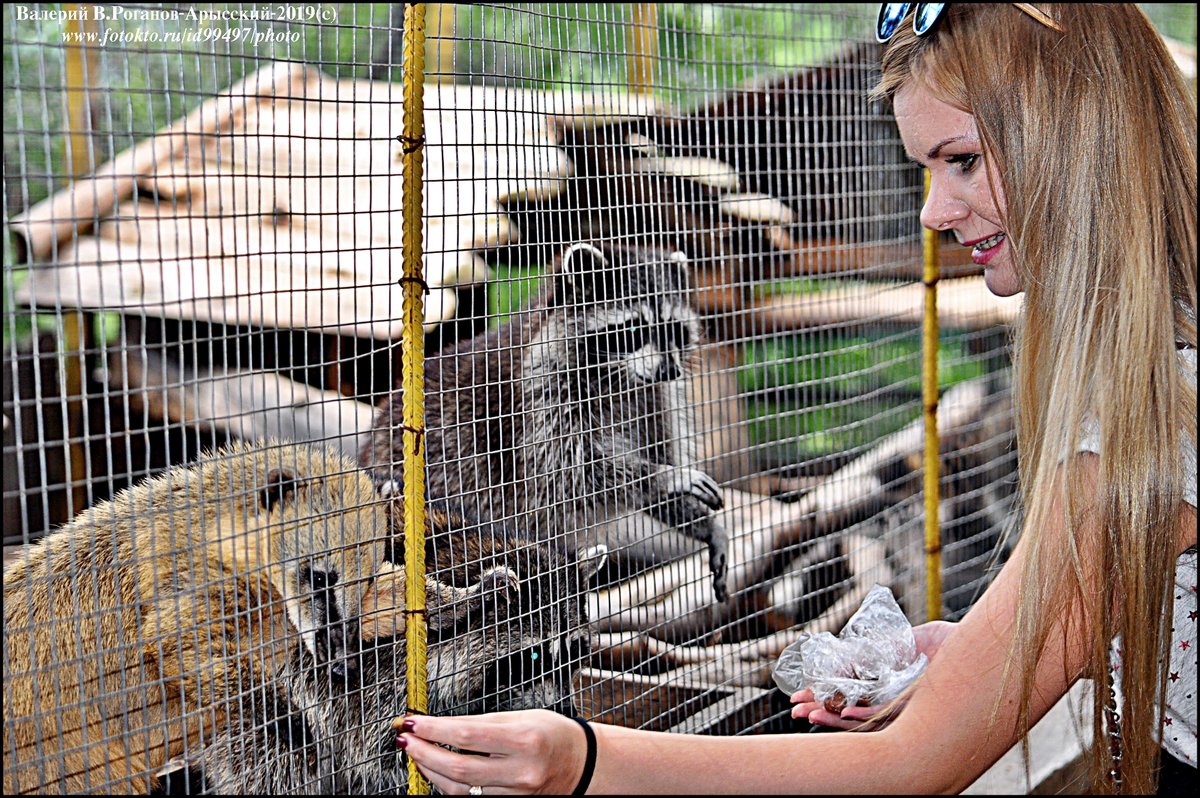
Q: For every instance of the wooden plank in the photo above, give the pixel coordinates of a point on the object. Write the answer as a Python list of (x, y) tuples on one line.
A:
[(642, 702), (283, 211), (963, 304), (265, 289), (73, 209), (248, 404), (742, 709)]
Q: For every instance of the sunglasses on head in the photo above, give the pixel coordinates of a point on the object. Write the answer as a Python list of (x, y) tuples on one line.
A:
[(892, 14)]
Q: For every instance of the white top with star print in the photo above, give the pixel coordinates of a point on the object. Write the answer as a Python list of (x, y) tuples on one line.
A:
[(1179, 718)]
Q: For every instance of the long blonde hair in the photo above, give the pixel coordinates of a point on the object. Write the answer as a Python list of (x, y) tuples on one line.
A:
[(1092, 132)]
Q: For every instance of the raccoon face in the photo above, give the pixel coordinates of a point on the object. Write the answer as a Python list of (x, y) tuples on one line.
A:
[(649, 342), (537, 677), (626, 312)]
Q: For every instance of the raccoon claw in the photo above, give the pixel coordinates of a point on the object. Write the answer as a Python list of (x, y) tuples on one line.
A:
[(698, 485), (717, 564)]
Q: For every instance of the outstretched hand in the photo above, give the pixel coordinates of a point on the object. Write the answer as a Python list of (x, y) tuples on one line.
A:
[(929, 638), (530, 751)]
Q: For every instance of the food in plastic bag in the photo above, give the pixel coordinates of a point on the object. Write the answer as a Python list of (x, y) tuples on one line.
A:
[(871, 661)]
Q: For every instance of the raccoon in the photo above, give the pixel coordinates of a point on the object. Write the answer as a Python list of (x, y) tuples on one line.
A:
[(576, 414), (506, 631), (132, 633)]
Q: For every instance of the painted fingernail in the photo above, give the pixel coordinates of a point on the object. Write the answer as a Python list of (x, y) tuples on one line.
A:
[(408, 725), (401, 742)]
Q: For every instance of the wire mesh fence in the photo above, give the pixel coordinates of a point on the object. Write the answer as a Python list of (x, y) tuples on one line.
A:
[(671, 379)]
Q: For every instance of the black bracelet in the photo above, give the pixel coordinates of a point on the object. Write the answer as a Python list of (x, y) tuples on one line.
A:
[(589, 764)]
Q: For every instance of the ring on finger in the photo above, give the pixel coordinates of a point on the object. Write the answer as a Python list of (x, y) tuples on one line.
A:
[(475, 790)]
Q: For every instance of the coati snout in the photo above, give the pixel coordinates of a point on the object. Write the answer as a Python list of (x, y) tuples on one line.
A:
[(336, 637), (323, 579)]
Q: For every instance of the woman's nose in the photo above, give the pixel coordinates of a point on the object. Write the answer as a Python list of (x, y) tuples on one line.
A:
[(942, 210)]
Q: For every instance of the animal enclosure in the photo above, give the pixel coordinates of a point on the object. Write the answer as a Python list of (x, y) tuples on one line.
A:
[(660, 409)]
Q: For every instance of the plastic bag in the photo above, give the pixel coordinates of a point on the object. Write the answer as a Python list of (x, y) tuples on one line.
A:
[(871, 661)]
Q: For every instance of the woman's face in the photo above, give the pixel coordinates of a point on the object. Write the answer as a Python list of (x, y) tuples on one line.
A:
[(946, 141)]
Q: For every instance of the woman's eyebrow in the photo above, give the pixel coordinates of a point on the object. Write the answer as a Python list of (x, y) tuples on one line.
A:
[(933, 153)]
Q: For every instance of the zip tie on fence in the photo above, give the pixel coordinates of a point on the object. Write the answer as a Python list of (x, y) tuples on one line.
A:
[(412, 343), (417, 280), (410, 143), (929, 399)]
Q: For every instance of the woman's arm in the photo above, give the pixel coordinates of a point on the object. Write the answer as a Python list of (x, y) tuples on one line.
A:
[(943, 740)]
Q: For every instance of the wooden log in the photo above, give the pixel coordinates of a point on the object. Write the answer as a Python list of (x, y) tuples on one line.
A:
[(724, 449), (675, 600), (248, 404), (831, 258), (623, 652), (73, 209), (963, 304), (352, 294)]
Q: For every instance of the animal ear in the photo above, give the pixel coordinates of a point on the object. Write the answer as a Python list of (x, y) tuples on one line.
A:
[(591, 560), (281, 484), (582, 267)]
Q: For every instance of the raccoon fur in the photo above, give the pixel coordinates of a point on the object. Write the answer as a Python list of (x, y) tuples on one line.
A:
[(507, 630), (575, 415)]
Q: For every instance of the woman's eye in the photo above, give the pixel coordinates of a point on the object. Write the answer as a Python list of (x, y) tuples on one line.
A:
[(966, 162)]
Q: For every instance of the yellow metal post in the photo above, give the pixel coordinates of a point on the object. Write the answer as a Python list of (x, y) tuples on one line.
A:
[(79, 73), (642, 44), (412, 341), (929, 398)]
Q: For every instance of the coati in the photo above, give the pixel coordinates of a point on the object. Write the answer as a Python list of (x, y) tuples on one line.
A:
[(132, 633), (507, 630), (575, 414)]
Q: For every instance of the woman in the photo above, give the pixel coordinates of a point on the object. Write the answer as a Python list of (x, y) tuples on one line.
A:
[(1061, 143)]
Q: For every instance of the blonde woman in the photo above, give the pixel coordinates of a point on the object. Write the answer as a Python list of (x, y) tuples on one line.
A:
[(1061, 142)]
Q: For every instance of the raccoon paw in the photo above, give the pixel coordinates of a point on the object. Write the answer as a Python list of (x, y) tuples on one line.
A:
[(497, 580), (386, 486), (717, 560), (695, 484)]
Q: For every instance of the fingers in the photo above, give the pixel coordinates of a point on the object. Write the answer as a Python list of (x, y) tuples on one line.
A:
[(817, 715), (505, 752), (449, 772), (455, 773), (804, 696), (807, 708), (485, 734)]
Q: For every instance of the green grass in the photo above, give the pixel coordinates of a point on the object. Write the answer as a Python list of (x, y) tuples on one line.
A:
[(510, 290), (790, 433), (817, 394)]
